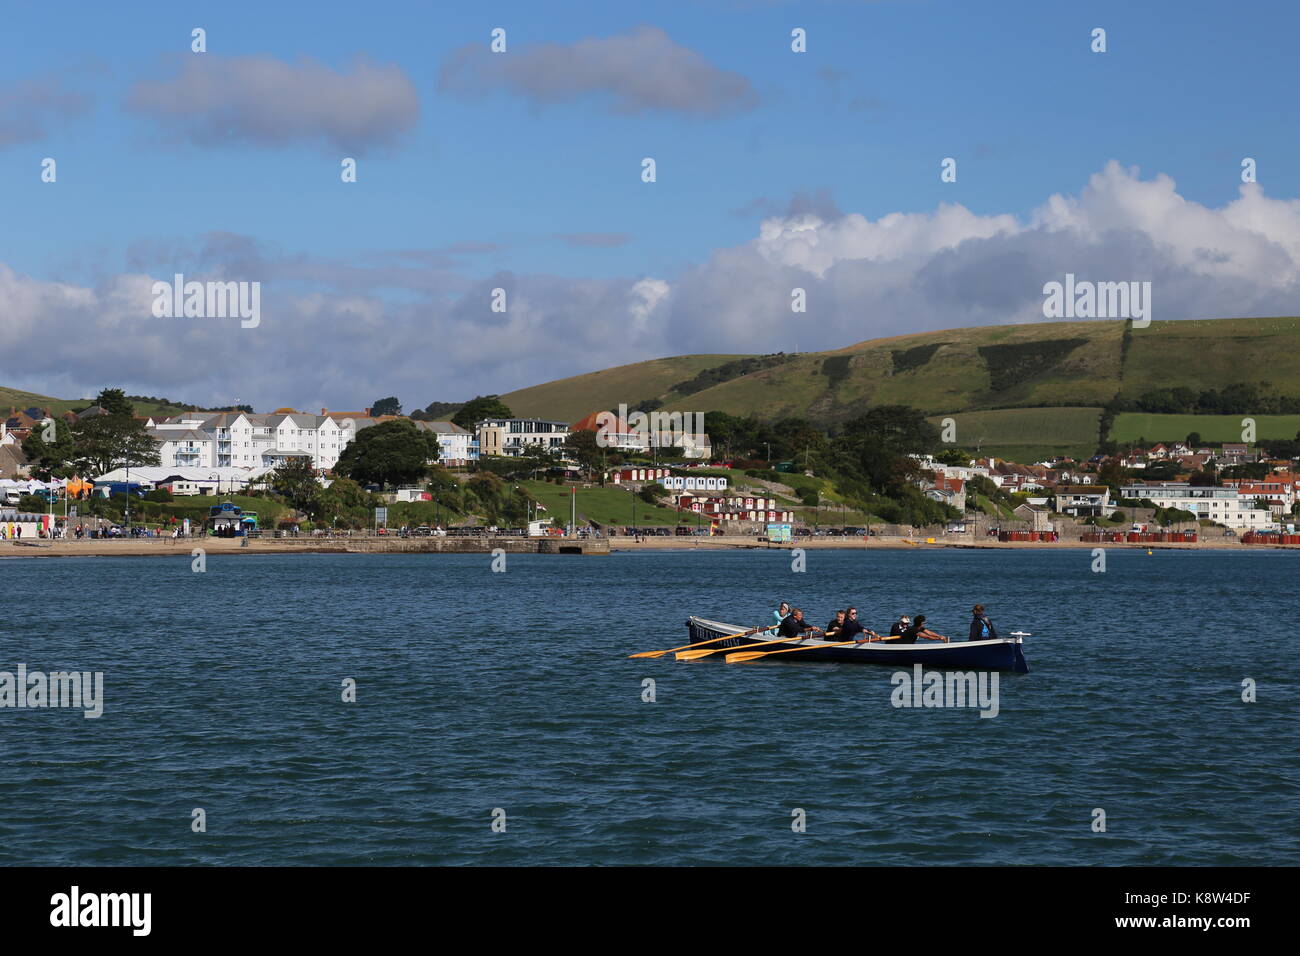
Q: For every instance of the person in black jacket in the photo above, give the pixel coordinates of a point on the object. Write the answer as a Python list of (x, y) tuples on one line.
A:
[(981, 628), (917, 629), (794, 625)]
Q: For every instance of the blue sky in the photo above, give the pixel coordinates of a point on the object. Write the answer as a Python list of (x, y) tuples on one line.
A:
[(474, 179)]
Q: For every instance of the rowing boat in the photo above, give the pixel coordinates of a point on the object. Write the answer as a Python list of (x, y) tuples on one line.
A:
[(1003, 654)]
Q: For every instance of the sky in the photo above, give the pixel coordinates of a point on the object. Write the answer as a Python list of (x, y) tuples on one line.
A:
[(522, 171)]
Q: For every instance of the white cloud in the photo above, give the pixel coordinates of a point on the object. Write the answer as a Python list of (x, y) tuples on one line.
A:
[(342, 334)]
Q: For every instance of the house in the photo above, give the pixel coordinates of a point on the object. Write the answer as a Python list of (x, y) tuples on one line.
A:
[(13, 463), (949, 491), (1234, 453), (1084, 500), (642, 432), (1037, 516), (457, 446), (1221, 505), (515, 437), (1278, 490)]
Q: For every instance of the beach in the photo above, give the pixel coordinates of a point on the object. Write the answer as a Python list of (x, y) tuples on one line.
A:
[(381, 544)]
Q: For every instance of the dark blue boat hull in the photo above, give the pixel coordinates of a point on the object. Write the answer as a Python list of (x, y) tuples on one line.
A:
[(999, 655)]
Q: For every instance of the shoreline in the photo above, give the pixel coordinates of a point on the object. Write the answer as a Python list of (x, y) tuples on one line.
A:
[(168, 547)]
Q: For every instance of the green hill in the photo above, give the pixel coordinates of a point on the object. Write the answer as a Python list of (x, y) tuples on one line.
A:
[(1036, 387), (15, 398)]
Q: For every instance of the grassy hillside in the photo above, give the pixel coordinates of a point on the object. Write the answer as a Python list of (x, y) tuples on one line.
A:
[(1017, 390), (1024, 433), (1214, 429), (14, 398), (569, 399)]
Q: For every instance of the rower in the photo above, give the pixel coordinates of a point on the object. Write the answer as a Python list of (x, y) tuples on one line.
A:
[(780, 614), (835, 629), (918, 629), (981, 628), (900, 625), (794, 625), (853, 629)]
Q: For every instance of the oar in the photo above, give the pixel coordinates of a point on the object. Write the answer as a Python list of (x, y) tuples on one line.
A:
[(752, 630), (697, 654), (740, 657)]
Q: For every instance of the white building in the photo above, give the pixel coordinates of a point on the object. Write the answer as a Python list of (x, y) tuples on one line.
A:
[(514, 437), (694, 482), (186, 481), (456, 446), (1222, 505)]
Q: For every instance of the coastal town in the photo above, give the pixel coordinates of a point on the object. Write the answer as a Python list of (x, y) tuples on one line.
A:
[(1178, 492)]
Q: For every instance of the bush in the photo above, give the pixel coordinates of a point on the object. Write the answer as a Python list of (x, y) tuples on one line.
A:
[(161, 495)]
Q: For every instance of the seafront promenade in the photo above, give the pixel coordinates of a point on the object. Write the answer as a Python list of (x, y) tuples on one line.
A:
[(382, 544)]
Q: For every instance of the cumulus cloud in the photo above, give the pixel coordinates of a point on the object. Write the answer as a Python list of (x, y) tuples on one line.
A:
[(638, 72), (29, 109), (337, 333), (910, 272), (259, 100)]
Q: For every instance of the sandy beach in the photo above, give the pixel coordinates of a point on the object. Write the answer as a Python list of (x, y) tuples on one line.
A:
[(168, 547)]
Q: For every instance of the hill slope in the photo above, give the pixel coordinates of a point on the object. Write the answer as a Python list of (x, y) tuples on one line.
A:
[(1079, 364)]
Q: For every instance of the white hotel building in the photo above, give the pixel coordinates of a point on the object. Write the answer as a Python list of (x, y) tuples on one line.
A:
[(248, 441), (1222, 505)]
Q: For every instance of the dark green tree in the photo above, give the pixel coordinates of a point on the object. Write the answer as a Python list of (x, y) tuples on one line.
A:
[(52, 459), (477, 409), (115, 402), (105, 442), (390, 453), (295, 481), (386, 406)]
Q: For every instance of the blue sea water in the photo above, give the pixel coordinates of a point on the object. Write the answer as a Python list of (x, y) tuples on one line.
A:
[(479, 690)]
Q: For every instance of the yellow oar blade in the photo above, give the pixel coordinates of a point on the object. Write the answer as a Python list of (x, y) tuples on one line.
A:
[(695, 655), (744, 656)]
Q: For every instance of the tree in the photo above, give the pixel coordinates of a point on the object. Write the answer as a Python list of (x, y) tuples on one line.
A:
[(386, 406), (53, 459), (877, 447), (393, 452), (346, 501), (105, 442), (1194, 440), (295, 481), (115, 402), (477, 409), (581, 446)]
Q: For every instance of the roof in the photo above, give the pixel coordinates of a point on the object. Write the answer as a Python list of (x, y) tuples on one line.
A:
[(442, 428)]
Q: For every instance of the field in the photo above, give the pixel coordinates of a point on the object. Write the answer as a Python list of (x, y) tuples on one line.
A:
[(1025, 434), (606, 506), (1135, 426)]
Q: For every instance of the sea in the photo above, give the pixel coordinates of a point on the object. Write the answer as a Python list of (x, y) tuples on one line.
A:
[(424, 709)]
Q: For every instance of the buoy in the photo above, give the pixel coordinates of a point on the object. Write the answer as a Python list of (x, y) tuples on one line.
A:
[(1148, 550)]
